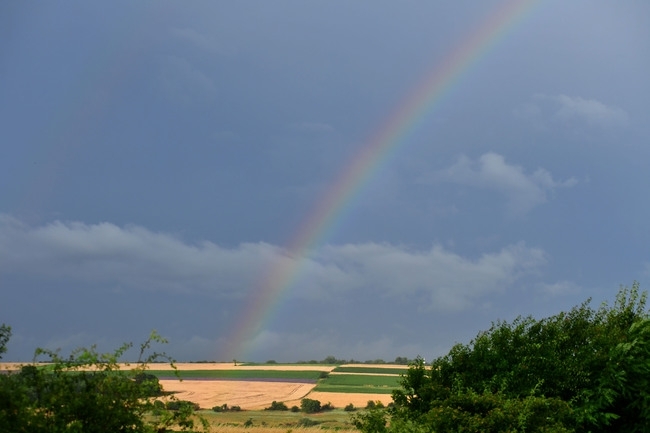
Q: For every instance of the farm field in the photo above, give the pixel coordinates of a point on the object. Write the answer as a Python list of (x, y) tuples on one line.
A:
[(274, 421), (255, 387)]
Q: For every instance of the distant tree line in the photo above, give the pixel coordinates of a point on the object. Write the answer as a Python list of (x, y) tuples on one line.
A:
[(332, 360)]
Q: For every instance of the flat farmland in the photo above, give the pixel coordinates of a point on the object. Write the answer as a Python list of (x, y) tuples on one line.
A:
[(255, 387)]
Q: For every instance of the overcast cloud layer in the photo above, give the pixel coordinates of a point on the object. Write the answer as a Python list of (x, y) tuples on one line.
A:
[(158, 158)]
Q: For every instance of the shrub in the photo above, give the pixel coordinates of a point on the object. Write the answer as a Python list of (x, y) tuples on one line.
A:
[(181, 404), (295, 409), (585, 370), (87, 391), (371, 421), (306, 422), (277, 405), (327, 406), (349, 408), (308, 405), (222, 408)]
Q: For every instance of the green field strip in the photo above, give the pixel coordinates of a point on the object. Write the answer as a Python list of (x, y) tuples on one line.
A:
[(287, 375), (353, 389), (358, 383), (361, 380), (371, 370)]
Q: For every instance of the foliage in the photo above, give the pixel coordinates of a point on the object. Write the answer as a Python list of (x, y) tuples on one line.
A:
[(224, 408), (585, 370), (349, 408), (306, 422), (371, 421), (87, 392), (277, 405), (309, 405), (5, 335)]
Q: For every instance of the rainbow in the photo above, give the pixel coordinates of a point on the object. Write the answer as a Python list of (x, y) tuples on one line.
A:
[(369, 160)]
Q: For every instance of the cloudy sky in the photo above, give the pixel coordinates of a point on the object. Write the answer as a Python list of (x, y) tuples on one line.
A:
[(160, 158)]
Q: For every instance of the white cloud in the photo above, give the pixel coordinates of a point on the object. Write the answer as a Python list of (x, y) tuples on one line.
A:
[(589, 110), (560, 288), (446, 280), (570, 110), (129, 257), (492, 172), (133, 258)]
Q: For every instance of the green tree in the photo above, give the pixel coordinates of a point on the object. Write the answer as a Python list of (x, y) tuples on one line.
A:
[(309, 405), (585, 370), (5, 335), (88, 392)]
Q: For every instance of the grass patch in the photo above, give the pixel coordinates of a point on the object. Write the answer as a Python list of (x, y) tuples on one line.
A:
[(287, 375), (335, 419), (358, 383), (371, 370)]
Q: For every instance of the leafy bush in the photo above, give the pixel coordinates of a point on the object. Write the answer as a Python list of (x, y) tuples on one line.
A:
[(349, 408), (181, 405), (306, 422), (295, 409), (222, 408), (5, 335), (88, 392), (371, 421), (308, 405), (585, 370), (276, 405)]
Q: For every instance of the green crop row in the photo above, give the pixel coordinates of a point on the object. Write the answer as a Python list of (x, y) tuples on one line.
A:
[(371, 370), (358, 383), (353, 389)]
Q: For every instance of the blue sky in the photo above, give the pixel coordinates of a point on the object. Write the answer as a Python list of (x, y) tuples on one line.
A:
[(158, 157)]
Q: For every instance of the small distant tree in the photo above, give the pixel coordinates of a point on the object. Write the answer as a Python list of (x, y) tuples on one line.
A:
[(277, 405), (309, 405), (349, 408)]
